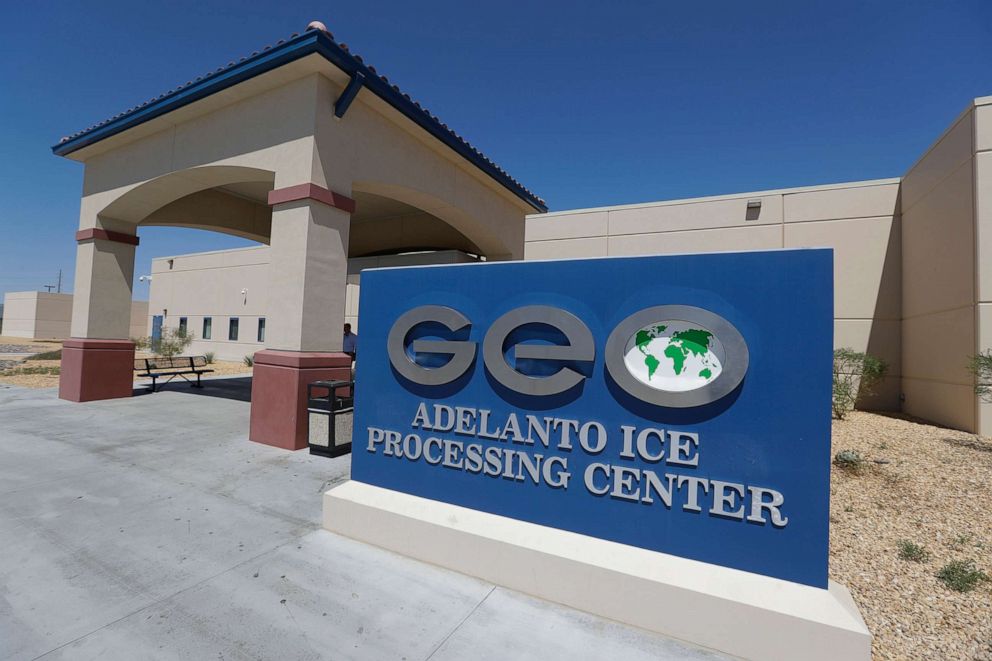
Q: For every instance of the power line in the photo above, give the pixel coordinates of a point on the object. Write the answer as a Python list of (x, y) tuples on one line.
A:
[(58, 286)]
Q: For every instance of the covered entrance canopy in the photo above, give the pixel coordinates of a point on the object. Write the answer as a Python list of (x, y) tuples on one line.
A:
[(301, 146)]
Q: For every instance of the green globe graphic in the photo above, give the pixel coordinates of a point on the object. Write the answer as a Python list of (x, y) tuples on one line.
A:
[(674, 356)]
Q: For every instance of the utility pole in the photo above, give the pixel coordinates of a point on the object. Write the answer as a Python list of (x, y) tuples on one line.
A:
[(56, 287)]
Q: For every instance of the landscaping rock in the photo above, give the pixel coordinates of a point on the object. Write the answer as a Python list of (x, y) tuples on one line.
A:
[(934, 492)]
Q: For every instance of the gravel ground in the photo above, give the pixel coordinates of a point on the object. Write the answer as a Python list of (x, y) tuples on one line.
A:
[(8, 374), (934, 492), (18, 348), (225, 367), (32, 345)]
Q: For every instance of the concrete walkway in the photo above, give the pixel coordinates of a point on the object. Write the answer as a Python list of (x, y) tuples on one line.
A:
[(150, 528)]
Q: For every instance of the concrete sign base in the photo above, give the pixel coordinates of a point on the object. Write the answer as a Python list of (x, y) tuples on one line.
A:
[(731, 611)]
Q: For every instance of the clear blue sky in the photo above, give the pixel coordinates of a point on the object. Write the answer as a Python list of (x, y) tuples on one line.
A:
[(586, 103)]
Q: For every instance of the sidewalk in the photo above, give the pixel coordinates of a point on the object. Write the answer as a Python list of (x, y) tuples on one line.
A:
[(150, 527)]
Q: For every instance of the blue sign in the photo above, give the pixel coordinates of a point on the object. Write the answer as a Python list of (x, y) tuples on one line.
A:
[(676, 403)]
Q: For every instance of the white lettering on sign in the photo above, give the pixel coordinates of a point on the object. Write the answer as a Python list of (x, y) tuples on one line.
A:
[(486, 448)]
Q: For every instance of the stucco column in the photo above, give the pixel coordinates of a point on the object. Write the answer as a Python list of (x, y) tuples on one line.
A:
[(308, 270), (98, 358)]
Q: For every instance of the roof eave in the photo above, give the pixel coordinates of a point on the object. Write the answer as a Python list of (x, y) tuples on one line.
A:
[(313, 41)]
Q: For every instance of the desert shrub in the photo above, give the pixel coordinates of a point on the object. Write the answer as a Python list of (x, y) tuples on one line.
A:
[(855, 375), (961, 575), (47, 355), (981, 366), (912, 551), (173, 342), (850, 460), (210, 357), (250, 360)]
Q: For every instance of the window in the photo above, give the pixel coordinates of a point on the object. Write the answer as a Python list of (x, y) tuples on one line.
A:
[(261, 329), (232, 329), (183, 325), (208, 327)]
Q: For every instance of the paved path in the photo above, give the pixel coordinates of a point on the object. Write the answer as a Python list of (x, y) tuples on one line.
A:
[(150, 528)]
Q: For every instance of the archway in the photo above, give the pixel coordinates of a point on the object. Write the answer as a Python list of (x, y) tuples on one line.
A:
[(223, 198), (437, 216)]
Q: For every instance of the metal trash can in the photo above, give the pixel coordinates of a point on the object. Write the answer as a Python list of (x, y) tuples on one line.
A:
[(325, 401)]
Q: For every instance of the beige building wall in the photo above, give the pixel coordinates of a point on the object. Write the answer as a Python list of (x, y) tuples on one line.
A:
[(47, 316), (860, 221), (217, 285), (946, 286), (20, 316), (139, 319), (357, 264), (52, 313), (235, 283), (983, 240)]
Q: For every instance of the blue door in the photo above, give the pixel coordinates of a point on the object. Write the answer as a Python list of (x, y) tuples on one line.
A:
[(157, 327)]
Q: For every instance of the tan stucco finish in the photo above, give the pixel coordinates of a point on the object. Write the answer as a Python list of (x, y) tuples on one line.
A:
[(101, 304), (48, 316), (945, 253), (859, 221), (307, 276), (226, 284), (192, 168)]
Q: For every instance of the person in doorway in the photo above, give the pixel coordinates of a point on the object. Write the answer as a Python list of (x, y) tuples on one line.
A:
[(350, 345)]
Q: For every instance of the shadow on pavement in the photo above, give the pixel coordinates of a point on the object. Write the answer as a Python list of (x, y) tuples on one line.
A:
[(237, 388)]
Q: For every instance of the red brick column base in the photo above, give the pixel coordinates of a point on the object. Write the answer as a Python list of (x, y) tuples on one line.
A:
[(96, 369), (279, 393)]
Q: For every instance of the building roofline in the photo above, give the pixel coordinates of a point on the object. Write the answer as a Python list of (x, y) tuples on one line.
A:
[(729, 196), (209, 252), (296, 47), (970, 108)]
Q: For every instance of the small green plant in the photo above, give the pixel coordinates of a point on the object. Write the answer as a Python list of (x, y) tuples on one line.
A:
[(959, 542), (849, 460), (855, 375), (47, 355), (848, 509), (912, 552), (961, 575), (250, 360), (209, 357), (172, 342), (980, 365)]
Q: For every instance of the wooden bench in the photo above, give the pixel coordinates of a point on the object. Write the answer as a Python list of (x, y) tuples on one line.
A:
[(181, 366)]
